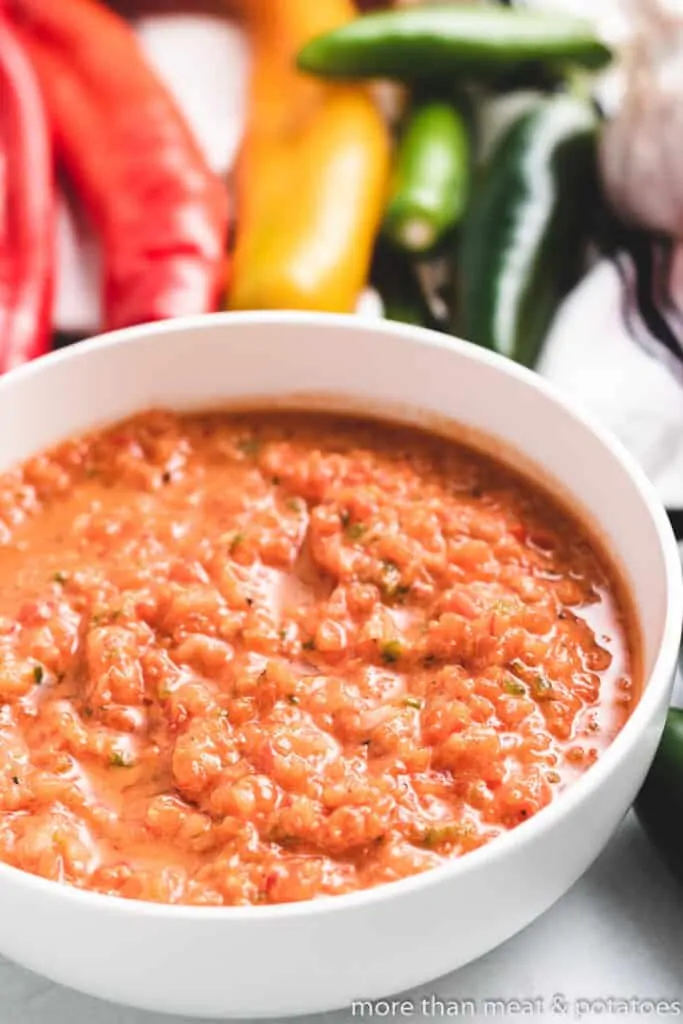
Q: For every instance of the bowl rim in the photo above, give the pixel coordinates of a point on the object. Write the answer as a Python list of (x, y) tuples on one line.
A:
[(658, 680)]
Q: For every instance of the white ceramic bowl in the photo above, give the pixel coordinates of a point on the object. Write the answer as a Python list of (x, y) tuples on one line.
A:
[(290, 959)]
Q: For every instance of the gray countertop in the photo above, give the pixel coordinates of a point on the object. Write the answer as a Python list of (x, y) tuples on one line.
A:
[(615, 935)]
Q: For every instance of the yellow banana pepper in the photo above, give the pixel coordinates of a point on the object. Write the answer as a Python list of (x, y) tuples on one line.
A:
[(313, 170)]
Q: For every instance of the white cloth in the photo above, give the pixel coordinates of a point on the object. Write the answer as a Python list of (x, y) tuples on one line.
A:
[(590, 355)]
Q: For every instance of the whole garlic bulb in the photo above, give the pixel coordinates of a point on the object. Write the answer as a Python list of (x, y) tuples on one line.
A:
[(641, 150)]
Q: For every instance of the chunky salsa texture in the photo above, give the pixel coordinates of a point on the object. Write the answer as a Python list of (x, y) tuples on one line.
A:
[(258, 658)]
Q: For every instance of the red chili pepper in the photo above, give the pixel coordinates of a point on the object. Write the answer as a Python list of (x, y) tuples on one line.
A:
[(27, 203), (161, 211)]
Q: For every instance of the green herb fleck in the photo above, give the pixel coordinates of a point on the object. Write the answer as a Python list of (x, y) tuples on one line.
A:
[(106, 618), (60, 576), (429, 659), (295, 504), (391, 651), (413, 702), (282, 633), (345, 517), (431, 837), (87, 712), (38, 674), (308, 645), (16, 780), (435, 835), (236, 541), (119, 760), (355, 531), (391, 579), (540, 686), (249, 446), (278, 835), (513, 686), (518, 667)]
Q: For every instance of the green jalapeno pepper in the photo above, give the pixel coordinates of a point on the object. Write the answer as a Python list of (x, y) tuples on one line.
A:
[(449, 41), (659, 805), (522, 239), (398, 284), (432, 175)]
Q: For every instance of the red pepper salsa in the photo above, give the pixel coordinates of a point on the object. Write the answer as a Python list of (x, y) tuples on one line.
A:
[(264, 657)]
